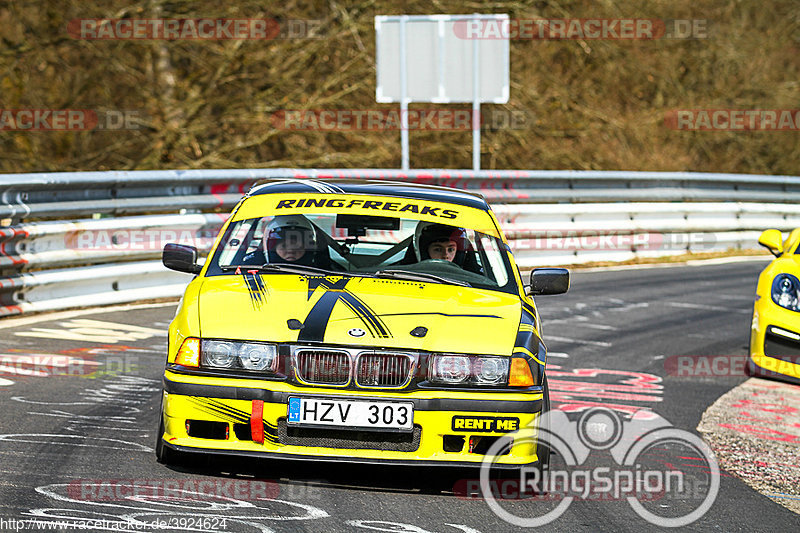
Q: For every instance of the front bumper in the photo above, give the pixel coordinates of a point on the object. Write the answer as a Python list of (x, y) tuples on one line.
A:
[(775, 342), (243, 412)]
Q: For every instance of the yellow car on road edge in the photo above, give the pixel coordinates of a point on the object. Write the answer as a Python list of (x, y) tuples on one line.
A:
[(775, 329)]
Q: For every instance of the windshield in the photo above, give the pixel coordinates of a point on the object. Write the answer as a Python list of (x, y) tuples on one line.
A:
[(363, 245)]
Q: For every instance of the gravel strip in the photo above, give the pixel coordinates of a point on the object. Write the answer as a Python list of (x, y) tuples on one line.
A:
[(754, 430)]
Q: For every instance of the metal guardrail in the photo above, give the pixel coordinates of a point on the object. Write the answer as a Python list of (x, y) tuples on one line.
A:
[(86, 238), (51, 195)]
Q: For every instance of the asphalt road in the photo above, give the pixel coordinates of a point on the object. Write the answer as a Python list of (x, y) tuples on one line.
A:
[(72, 447)]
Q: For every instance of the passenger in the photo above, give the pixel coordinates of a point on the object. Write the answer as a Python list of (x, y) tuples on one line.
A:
[(287, 239), (439, 241), (448, 243)]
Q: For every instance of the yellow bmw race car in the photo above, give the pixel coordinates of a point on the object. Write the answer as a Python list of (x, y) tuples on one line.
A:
[(775, 330), (362, 321)]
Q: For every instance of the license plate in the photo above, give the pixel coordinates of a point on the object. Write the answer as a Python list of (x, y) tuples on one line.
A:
[(350, 413)]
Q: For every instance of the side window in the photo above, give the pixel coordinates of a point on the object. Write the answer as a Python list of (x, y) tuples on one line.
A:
[(491, 254), (257, 235), (236, 236)]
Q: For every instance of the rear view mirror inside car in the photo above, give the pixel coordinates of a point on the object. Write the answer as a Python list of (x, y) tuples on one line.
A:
[(357, 225)]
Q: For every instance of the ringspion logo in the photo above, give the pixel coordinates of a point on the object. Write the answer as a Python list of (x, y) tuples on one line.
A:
[(668, 493)]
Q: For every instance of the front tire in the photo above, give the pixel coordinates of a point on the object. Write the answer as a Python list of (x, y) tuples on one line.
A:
[(542, 449), (164, 454)]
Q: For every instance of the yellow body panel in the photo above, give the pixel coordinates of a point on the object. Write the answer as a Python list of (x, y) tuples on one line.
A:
[(767, 313), (459, 319), (187, 319)]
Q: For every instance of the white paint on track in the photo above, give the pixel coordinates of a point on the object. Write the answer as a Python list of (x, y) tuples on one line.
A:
[(602, 344), (47, 317), (201, 505), (704, 307), (95, 418), (82, 441)]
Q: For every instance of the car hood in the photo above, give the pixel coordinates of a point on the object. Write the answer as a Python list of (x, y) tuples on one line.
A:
[(359, 312)]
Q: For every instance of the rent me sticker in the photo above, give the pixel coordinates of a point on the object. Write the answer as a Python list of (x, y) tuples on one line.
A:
[(485, 424)]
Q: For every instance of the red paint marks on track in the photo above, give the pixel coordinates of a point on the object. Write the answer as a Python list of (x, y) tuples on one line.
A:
[(763, 433), (766, 419), (629, 390)]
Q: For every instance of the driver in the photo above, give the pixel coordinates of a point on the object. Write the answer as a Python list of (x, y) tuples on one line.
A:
[(447, 243), (439, 241), (287, 239)]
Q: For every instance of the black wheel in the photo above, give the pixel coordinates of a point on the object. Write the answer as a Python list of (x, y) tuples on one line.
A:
[(750, 369), (542, 449), (164, 454)]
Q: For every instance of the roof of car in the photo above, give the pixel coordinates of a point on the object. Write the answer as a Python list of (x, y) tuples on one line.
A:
[(370, 187)]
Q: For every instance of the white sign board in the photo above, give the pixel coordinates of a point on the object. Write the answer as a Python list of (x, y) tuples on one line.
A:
[(439, 59)]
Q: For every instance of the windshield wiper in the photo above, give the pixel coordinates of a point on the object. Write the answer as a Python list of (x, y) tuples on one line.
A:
[(286, 267), (418, 276)]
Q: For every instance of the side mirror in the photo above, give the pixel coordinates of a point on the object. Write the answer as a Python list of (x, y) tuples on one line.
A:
[(181, 258), (772, 240), (549, 281)]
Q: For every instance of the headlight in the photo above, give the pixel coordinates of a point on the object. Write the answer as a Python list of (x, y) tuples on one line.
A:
[(468, 369), (786, 291), (450, 369), (257, 356), (218, 354), (490, 370), (239, 355)]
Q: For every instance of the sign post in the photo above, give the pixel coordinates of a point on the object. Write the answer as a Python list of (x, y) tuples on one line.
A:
[(441, 59)]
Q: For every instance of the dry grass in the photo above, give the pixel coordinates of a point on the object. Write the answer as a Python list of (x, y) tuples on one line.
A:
[(589, 104)]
